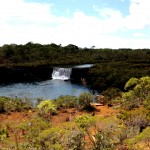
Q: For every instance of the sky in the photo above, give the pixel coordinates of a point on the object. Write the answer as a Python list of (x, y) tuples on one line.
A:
[(84, 23)]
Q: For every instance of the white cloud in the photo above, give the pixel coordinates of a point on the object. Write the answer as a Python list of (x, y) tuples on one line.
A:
[(21, 22), (139, 14), (138, 34), (107, 12)]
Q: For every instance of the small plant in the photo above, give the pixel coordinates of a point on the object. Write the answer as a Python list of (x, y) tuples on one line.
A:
[(85, 100), (75, 140), (3, 134), (8, 104), (84, 121), (142, 137), (66, 102), (51, 138), (47, 107), (32, 128), (138, 94), (2, 101), (103, 141), (110, 94)]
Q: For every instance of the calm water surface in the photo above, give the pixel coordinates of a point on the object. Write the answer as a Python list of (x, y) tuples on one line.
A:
[(49, 89)]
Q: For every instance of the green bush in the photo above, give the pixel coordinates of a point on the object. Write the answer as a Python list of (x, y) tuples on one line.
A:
[(8, 104), (138, 94), (135, 120), (51, 138), (143, 137), (147, 102), (66, 102), (103, 142), (85, 100), (47, 107), (2, 102), (84, 121), (3, 134), (110, 94), (32, 129)]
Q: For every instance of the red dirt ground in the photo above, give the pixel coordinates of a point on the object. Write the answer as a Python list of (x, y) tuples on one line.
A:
[(64, 115), (14, 119)]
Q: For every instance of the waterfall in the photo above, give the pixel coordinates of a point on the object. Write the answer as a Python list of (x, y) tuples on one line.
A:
[(61, 73)]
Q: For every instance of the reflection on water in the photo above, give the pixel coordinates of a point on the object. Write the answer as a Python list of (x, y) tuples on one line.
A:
[(49, 89)]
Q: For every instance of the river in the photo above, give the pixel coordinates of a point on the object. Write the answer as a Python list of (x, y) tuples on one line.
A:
[(49, 89)]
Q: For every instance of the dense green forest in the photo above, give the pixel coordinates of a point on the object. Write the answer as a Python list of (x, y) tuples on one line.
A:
[(113, 67), (52, 54)]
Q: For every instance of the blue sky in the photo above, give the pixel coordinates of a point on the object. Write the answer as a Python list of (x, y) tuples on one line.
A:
[(85, 23)]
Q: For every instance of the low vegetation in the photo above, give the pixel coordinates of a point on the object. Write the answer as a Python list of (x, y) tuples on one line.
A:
[(8, 104), (127, 129)]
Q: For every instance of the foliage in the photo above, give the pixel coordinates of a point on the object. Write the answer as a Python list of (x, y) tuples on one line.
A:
[(51, 138), (147, 102), (8, 104), (61, 138), (110, 94), (75, 140), (135, 120), (43, 136), (109, 133), (84, 101), (33, 128), (66, 102), (3, 134), (103, 142), (138, 94), (23, 62), (110, 73), (47, 107), (2, 101), (84, 121), (142, 137), (131, 83)]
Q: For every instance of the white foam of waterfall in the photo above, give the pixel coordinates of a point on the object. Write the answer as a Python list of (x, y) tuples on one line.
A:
[(61, 73)]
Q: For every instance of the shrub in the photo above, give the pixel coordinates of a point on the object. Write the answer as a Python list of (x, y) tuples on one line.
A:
[(47, 107), (103, 142), (142, 137), (85, 100), (147, 102), (8, 104), (51, 138), (75, 140), (110, 132), (66, 102), (61, 138), (84, 121), (110, 94), (3, 134), (138, 93), (2, 102), (135, 120), (32, 129)]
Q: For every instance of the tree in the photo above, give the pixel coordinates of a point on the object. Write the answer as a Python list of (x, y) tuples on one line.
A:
[(139, 92)]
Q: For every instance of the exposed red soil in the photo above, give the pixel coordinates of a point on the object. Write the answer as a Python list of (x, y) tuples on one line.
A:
[(14, 119), (63, 115), (16, 116), (69, 114)]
